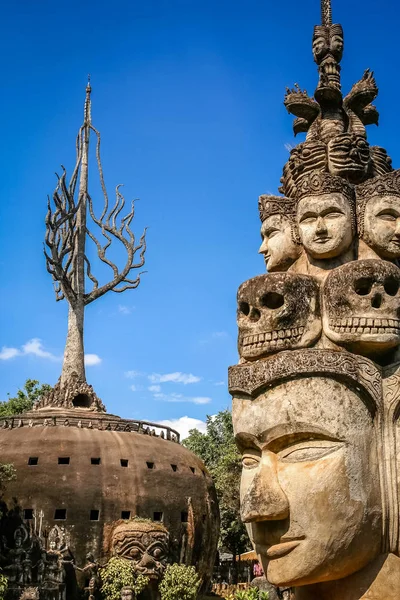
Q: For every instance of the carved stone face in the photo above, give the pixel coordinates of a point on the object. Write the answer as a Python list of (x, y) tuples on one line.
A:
[(277, 312), (126, 594), (310, 487), (361, 305), (349, 157), (278, 247), (336, 40), (320, 44), (145, 544), (325, 225), (382, 225)]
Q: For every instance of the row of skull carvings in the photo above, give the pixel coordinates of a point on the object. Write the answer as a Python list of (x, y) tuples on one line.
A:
[(331, 222), (357, 307)]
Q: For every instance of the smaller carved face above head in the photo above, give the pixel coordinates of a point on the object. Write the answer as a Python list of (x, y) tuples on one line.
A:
[(320, 43), (336, 41), (382, 225), (349, 157), (325, 225), (145, 544), (361, 306), (279, 311), (278, 245)]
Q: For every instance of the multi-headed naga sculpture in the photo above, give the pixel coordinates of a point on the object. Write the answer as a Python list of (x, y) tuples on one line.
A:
[(316, 393), (67, 233)]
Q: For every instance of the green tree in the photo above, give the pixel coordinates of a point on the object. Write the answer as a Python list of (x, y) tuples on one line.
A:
[(218, 450), (24, 399), (179, 583)]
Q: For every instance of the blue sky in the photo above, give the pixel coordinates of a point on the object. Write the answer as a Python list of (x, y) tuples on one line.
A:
[(188, 97)]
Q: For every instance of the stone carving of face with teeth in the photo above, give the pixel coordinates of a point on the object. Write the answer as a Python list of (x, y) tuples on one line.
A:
[(277, 311), (145, 544), (349, 157), (361, 306)]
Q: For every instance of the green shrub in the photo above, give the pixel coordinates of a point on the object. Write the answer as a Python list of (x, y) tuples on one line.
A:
[(118, 573), (251, 594), (3, 586), (179, 583)]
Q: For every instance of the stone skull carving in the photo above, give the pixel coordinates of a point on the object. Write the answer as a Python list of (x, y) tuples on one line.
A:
[(277, 311), (361, 305)]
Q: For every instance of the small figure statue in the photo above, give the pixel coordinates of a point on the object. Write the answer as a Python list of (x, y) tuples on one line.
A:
[(127, 593), (91, 574)]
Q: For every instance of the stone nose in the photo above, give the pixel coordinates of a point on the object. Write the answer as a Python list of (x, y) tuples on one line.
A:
[(147, 561), (264, 499), (321, 225), (376, 301)]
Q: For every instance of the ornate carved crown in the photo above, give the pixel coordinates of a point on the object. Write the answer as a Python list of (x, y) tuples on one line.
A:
[(275, 205), (387, 184), (383, 185), (317, 183)]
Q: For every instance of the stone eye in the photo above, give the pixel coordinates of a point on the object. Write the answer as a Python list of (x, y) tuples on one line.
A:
[(272, 300), (391, 286), (244, 308), (157, 553), (363, 286)]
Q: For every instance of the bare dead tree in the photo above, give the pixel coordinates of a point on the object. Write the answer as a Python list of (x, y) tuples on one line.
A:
[(67, 232)]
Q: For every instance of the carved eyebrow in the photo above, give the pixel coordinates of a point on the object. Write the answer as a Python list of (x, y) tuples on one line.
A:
[(290, 439), (282, 435), (246, 440)]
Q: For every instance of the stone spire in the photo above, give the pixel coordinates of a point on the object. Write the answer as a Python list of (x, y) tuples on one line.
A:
[(67, 234), (316, 393), (326, 13)]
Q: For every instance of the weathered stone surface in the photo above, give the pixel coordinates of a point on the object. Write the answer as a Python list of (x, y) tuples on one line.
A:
[(145, 544), (280, 241), (378, 214), (317, 418), (311, 492), (361, 306), (132, 474), (277, 312)]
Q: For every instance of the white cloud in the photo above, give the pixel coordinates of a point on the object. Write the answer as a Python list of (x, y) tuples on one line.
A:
[(92, 359), (132, 374), (184, 424), (125, 310), (177, 377), (219, 383), (181, 398), (133, 388), (35, 347), (7, 353), (154, 388)]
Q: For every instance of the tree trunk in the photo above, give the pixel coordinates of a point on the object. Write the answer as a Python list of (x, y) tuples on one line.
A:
[(74, 355)]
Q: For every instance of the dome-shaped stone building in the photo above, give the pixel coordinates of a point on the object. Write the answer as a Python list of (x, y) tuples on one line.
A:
[(83, 474)]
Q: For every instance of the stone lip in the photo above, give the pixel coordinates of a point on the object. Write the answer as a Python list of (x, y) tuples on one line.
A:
[(86, 419)]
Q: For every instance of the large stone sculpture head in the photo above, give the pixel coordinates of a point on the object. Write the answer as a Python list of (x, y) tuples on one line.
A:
[(325, 215), (378, 214), (277, 312), (349, 157), (145, 543), (361, 306), (308, 424), (280, 242)]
